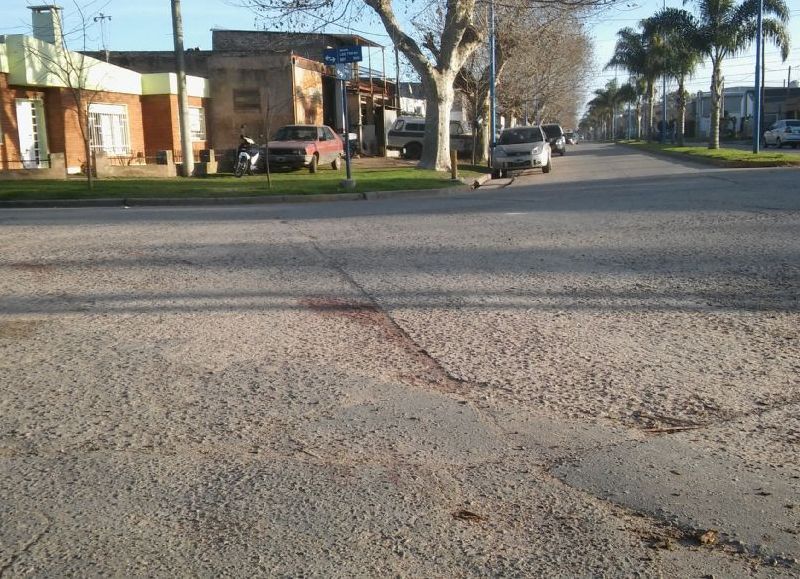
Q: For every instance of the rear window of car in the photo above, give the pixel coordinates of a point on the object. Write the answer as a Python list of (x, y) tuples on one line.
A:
[(552, 131), (793, 123), (517, 136), (294, 133)]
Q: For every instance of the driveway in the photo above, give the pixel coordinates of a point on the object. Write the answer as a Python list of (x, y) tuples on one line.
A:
[(592, 372)]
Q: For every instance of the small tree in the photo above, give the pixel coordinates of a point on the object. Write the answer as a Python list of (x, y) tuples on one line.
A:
[(72, 70)]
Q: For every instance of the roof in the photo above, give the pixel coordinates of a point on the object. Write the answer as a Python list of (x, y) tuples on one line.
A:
[(354, 38)]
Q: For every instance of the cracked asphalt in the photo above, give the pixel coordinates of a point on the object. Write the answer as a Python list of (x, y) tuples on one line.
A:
[(573, 374)]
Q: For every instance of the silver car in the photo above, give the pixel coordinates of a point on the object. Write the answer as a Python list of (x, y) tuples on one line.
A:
[(521, 148), (784, 132)]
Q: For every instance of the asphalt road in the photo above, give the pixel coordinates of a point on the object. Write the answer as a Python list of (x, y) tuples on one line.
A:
[(591, 372)]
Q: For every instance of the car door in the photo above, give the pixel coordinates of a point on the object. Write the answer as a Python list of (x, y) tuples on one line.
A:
[(333, 143), (324, 146), (769, 135)]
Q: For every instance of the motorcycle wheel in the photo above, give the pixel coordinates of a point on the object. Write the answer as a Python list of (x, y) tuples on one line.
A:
[(241, 167)]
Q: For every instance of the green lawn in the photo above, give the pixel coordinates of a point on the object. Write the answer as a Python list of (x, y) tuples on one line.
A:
[(283, 183), (723, 157)]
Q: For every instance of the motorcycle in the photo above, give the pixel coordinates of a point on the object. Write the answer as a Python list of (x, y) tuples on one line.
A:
[(246, 157)]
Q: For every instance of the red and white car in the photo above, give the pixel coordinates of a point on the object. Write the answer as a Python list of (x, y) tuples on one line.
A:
[(296, 146)]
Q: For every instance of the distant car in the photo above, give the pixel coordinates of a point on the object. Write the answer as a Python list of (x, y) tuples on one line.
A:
[(783, 132), (555, 136), (521, 148), (295, 146), (408, 133), (571, 137)]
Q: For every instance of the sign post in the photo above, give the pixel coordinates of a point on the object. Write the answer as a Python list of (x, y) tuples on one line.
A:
[(339, 57)]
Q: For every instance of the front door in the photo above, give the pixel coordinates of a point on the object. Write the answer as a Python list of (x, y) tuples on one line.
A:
[(32, 133)]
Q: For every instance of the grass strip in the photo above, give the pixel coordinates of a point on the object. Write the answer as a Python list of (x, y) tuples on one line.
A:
[(283, 183), (723, 157)]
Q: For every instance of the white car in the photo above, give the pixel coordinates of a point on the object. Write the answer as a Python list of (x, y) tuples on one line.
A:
[(521, 148), (784, 132)]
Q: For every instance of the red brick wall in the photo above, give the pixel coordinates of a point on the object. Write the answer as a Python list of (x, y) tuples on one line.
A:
[(162, 130), (9, 137), (73, 140), (152, 122), (158, 112)]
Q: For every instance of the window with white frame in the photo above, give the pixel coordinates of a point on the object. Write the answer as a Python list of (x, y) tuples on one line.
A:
[(197, 123), (108, 128)]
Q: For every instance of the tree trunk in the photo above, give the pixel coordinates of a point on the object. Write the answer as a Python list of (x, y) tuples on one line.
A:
[(87, 145), (681, 110), (716, 97), (438, 100), (651, 107), (639, 120)]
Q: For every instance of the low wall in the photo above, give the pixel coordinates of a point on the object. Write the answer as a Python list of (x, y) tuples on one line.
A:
[(57, 170), (165, 167)]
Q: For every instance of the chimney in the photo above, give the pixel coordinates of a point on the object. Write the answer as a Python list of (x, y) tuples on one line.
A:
[(47, 23)]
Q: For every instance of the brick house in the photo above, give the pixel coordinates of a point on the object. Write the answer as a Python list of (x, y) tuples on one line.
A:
[(131, 116)]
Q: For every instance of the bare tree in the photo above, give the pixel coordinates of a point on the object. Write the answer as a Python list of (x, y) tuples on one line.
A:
[(73, 71), (437, 59)]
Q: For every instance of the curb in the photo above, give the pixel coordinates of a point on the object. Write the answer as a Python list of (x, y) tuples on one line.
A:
[(709, 161), (250, 200)]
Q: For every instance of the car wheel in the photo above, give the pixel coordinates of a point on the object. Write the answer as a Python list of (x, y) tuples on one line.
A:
[(413, 151), (337, 163), (778, 143), (794, 145), (547, 168), (495, 173), (312, 168)]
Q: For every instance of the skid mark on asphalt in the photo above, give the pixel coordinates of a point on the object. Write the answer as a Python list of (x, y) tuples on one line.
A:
[(423, 370)]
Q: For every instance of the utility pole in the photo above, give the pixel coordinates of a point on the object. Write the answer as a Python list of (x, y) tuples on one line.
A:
[(757, 92), (101, 18), (183, 98), (664, 101), (492, 104)]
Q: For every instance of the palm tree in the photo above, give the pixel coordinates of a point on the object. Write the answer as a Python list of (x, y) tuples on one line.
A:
[(723, 29), (640, 56), (680, 57), (629, 93)]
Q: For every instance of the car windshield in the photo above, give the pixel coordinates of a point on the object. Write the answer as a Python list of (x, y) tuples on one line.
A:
[(517, 136), (552, 131), (296, 134), (793, 123)]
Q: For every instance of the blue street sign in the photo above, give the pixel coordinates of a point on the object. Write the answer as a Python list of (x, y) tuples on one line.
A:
[(342, 54), (330, 56)]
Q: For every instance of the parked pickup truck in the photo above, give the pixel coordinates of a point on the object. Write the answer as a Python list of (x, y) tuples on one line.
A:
[(408, 133)]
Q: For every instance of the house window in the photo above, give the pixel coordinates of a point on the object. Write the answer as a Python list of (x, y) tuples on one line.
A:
[(246, 100), (108, 129), (197, 123)]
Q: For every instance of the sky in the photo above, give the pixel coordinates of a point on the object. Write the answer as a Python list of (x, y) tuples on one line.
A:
[(147, 25)]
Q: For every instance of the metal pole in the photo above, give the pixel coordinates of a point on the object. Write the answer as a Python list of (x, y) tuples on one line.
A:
[(758, 103), (492, 106), (183, 98), (664, 101), (346, 133), (397, 79)]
